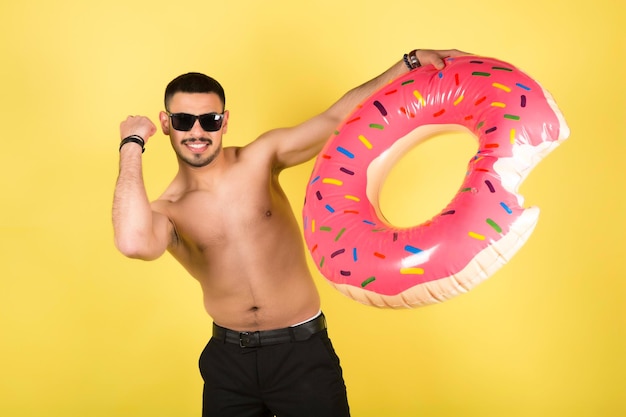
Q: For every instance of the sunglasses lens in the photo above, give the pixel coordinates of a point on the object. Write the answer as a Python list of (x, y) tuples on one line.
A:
[(183, 121), (211, 122)]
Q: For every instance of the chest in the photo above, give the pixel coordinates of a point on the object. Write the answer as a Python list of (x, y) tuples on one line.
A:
[(234, 211)]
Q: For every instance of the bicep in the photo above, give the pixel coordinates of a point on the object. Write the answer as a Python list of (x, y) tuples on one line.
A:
[(294, 145), (146, 239), (164, 233)]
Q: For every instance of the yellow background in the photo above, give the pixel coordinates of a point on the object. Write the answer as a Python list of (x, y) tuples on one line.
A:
[(87, 332)]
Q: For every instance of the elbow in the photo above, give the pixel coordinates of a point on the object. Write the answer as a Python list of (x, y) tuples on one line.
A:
[(135, 249)]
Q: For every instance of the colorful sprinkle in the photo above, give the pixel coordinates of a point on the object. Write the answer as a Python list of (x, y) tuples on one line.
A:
[(501, 87), (377, 126), (345, 273), (412, 249), (337, 253), (318, 195), (315, 179), (490, 186), (380, 108), (481, 74), (408, 82), (332, 181), (476, 236), (368, 281), (480, 100), (456, 79), (511, 117), (345, 152), (458, 100), (354, 255), (346, 170), (439, 113), (495, 225), (329, 208), (407, 112), (512, 136), (449, 212), (419, 97), (325, 229), (379, 255), (356, 119), (365, 142), (491, 129), (502, 69), (351, 197), (411, 271), (341, 232), (506, 208), (498, 104), (522, 86), (523, 100)]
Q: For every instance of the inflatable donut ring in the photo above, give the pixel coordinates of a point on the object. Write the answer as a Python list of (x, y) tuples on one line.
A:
[(366, 258)]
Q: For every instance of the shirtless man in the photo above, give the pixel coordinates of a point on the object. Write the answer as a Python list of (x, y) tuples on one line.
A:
[(226, 219)]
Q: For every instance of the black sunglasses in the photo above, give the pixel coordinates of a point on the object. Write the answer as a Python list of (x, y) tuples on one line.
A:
[(210, 122)]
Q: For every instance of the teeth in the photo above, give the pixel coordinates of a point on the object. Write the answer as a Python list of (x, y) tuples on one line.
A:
[(197, 145)]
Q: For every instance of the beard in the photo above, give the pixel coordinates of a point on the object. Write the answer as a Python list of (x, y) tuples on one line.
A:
[(198, 160)]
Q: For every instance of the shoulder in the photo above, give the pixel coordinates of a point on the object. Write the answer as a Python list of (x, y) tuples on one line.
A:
[(263, 148)]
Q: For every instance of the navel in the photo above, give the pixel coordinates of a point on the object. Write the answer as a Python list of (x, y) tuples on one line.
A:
[(268, 213)]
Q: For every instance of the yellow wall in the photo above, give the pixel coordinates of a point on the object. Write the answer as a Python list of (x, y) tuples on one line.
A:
[(86, 332)]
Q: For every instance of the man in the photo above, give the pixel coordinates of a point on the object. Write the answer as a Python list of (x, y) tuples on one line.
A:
[(225, 218)]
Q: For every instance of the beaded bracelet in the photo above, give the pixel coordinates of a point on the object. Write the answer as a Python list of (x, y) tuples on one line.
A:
[(133, 138), (407, 62)]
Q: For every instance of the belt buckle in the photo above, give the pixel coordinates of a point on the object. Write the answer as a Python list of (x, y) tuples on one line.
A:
[(249, 339)]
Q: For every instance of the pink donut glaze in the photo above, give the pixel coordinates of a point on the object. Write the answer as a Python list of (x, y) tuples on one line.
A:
[(516, 123)]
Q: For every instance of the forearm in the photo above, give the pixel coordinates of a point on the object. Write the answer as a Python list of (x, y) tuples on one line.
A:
[(132, 213), (354, 97), (413, 59)]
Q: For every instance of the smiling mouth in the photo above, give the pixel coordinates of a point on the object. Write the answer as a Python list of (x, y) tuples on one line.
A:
[(198, 146)]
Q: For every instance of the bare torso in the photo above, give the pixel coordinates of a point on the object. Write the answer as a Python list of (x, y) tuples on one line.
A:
[(235, 232)]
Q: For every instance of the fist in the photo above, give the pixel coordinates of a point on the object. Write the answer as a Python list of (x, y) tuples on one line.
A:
[(436, 57), (137, 125)]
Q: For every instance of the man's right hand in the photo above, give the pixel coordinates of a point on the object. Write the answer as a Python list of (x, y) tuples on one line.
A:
[(137, 125)]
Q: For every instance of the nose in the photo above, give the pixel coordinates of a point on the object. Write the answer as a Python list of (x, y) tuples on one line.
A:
[(196, 129)]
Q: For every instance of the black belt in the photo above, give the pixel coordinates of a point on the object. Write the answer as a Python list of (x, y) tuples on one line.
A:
[(271, 337)]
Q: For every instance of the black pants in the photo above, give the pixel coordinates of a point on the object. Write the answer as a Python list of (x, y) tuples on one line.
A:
[(293, 379)]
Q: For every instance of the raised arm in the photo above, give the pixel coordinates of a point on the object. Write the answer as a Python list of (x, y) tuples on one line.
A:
[(139, 231), (300, 143)]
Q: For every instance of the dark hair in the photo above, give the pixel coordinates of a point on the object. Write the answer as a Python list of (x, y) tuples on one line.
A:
[(193, 82)]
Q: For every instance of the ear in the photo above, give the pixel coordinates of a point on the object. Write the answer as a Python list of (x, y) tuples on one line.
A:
[(165, 123), (225, 122)]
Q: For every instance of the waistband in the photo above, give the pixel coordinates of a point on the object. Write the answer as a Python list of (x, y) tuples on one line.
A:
[(297, 333)]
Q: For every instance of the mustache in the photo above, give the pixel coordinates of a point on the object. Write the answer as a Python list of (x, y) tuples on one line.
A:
[(192, 140)]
